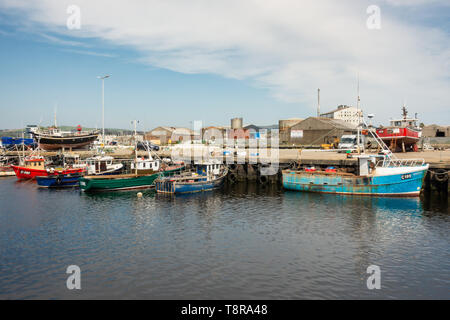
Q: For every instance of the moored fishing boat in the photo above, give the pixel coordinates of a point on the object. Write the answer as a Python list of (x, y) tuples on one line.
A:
[(34, 166), (145, 172), (384, 177), (208, 176), (6, 171), (376, 175), (125, 181), (5, 168), (59, 180)]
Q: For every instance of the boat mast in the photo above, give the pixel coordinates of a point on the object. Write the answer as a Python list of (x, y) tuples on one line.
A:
[(103, 106), (54, 115), (405, 112), (135, 146), (23, 143)]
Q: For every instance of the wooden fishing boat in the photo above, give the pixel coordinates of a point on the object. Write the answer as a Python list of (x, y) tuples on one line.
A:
[(54, 139), (208, 176), (145, 172), (125, 181)]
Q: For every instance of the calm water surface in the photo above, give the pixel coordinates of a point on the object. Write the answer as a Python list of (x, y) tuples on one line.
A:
[(243, 242)]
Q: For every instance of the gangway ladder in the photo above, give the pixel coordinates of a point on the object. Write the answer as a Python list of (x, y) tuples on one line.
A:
[(386, 150)]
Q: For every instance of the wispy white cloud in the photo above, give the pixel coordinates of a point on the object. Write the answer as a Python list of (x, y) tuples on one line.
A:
[(59, 41), (91, 53), (408, 3), (289, 47)]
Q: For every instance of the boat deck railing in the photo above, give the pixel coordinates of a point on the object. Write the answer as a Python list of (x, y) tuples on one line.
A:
[(400, 162)]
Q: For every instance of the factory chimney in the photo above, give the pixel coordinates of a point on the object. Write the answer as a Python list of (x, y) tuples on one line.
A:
[(318, 102)]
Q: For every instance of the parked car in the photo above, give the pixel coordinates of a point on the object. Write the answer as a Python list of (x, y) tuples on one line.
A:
[(147, 145)]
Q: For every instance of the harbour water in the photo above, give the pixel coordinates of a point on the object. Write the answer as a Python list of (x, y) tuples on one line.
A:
[(246, 241)]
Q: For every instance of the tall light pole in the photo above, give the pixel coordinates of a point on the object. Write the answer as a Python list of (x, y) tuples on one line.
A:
[(359, 119), (103, 105)]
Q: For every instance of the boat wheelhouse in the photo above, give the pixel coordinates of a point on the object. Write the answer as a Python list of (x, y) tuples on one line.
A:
[(102, 165), (146, 165)]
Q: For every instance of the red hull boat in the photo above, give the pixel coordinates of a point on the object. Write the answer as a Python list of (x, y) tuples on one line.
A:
[(34, 167), (28, 173), (402, 135)]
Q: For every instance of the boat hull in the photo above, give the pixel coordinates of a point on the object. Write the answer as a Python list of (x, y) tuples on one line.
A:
[(398, 182), (174, 185), (116, 183), (59, 181), (30, 173), (47, 142), (122, 182), (170, 187), (399, 138), (6, 171)]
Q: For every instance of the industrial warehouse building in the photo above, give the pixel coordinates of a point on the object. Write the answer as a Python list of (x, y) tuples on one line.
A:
[(169, 135), (315, 131), (435, 131)]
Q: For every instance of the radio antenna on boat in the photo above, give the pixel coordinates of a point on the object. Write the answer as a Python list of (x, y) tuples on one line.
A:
[(56, 107)]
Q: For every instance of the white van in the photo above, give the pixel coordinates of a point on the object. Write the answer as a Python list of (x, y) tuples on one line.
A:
[(348, 142)]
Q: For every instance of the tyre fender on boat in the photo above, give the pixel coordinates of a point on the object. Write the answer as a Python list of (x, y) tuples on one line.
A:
[(441, 175), (58, 179), (263, 179), (232, 177)]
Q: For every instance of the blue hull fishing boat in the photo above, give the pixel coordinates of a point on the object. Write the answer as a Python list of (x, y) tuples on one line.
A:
[(377, 175), (59, 180), (397, 180), (208, 176)]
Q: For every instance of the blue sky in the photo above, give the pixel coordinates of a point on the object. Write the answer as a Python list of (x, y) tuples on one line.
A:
[(263, 61)]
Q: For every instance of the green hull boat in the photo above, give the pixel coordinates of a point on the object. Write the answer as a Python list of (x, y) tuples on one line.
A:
[(123, 181)]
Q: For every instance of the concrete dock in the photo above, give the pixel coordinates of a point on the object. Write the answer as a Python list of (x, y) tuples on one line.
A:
[(246, 164)]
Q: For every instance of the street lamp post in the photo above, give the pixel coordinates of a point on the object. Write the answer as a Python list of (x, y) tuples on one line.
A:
[(103, 106)]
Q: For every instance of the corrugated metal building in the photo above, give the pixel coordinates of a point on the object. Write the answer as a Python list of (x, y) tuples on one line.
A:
[(214, 133), (434, 131), (169, 135), (315, 131), (283, 127)]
